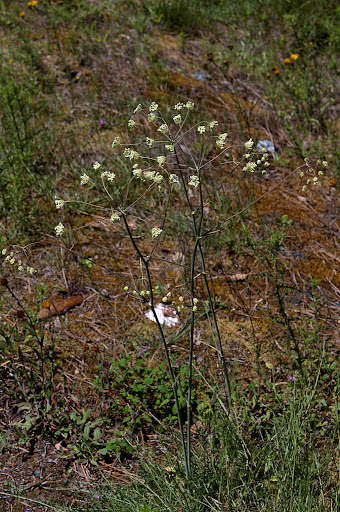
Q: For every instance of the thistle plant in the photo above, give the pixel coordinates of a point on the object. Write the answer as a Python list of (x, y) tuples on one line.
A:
[(170, 156)]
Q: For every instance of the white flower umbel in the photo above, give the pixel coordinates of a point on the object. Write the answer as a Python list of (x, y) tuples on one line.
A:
[(153, 107), (59, 203), (84, 179), (131, 153), (170, 147), (114, 218), (194, 181), (59, 229), (201, 129), (220, 143), (109, 176), (213, 125), (173, 179), (139, 108), (158, 178), (131, 124), (138, 173), (163, 128), (249, 167), (189, 105), (179, 106), (96, 166), (152, 117), (249, 144), (149, 175), (155, 232), (177, 119), (149, 142), (115, 142), (161, 160)]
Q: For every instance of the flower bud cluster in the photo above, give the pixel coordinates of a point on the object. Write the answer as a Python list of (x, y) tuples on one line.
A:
[(221, 140), (256, 161), (59, 203), (114, 218), (312, 180), (155, 232), (109, 176), (59, 229), (149, 175), (194, 181), (16, 262), (131, 154)]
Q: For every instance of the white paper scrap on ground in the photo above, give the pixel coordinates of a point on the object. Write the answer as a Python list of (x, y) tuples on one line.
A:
[(164, 314)]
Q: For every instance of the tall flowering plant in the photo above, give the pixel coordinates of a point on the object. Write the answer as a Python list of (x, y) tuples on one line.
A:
[(173, 159)]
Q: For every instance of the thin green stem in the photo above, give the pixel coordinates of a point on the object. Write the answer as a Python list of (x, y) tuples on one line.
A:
[(206, 283), (174, 384)]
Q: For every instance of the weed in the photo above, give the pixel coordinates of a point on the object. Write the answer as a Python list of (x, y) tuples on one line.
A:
[(170, 163)]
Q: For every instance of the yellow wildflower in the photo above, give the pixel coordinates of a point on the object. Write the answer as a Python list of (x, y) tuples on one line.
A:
[(294, 56), (22, 13), (32, 3), (288, 61)]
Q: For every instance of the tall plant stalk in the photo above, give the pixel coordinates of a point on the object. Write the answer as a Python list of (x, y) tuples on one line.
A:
[(162, 167)]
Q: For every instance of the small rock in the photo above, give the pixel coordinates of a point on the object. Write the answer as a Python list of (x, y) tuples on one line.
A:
[(268, 145), (199, 75)]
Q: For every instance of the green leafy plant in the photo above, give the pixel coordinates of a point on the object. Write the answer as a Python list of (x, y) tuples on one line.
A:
[(138, 394)]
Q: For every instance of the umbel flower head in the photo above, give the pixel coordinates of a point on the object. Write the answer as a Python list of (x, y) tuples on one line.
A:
[(107, 175), (220, 143), (161, 160), (173, 179), (152, 117), (194, 181), (115, 142), (179, 106), (163, 128), (114, 218), (155, 232), (249, 144), (59, 229), (84, 179), (59, 203), (153, 107), (138, 108)]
